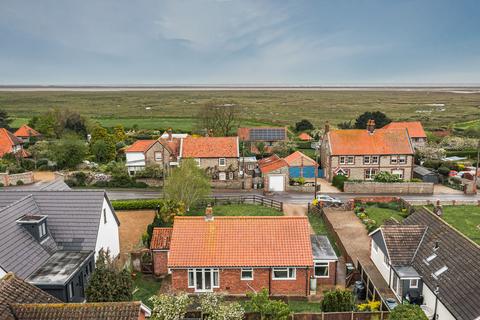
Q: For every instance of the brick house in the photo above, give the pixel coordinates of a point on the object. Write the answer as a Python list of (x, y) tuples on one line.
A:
[(141, 153), (361, 154), (25, 133), (219, 156), (9, 143), (275, 173), (236, 255), (418, 137)]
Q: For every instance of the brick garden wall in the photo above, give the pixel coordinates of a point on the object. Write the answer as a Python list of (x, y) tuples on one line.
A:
[(12, 179), (386, 188), (160, 261)]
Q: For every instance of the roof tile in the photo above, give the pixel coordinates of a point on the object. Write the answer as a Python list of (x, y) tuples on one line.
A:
[(210, 147), (415, 128), (161, 238)]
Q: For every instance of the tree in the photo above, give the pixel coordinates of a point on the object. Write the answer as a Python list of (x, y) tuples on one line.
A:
[(164, 216), (104, 151), (407, 312), (261, 148), (219, 117), (380, 118), (187, 184), (345, 125), (338, 301), (385, 176), (68, 152), (430, 152), (99, 133), (268, 309), (303, 125), (119, 133), (56, 122), (170, 307), (284, 148), (4, 120), (214, 307), (108, 283), (74, 122)]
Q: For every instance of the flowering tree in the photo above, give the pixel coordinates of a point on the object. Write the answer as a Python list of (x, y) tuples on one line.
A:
[(429, 152), (214, 307), (170, 307)]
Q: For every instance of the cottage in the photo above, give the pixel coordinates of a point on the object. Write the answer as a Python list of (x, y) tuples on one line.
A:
[(305, 137), (236, 255), (275, 173), (361, 154), (20, 300), (266, 136), (51, 238), (427, 262), (219, 156), (415, 130), (301, 166), (26, 134), (9, 143)]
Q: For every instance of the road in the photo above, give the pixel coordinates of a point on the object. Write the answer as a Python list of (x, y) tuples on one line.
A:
[(288, 197)]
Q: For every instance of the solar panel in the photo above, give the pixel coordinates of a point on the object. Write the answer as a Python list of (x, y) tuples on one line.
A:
[(267, 134)]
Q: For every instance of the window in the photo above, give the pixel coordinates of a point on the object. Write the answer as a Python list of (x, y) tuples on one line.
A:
[(413, 283), (374, 160), (230, 175), (351, 160), (158, 156), (375, 246), (104, 215), (203, 280), (222, 176), (402, 159), (250, 166), (385, 260), (197, 160), (70, 289), (366, 160), (284, 273), (42, 230), (246, 274), (222, 162), (343, 160), (321, 269), (393, 160), (370, 173), (398, 173)]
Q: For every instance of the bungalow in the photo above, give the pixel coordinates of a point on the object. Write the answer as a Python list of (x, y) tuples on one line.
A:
[(301, 166), (25, 133), (236, 255), (267, 136), (361, 154), (415, 131), (51, 238), (20, 300), (275, 173), (219, 156), (427, 262), (9, 143)]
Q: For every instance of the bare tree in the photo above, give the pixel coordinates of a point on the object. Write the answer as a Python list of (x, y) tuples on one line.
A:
[(219, 117)]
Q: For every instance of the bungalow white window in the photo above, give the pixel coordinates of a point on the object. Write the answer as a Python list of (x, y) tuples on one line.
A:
[(343, 160), (398, 173), (203, 280), (246, 274), (222, 162), (42, 230), (370, 173), (366, 160), (158, 156), (284, 274), (402, 159), (70, 289), (321, 269), (374, 160), (104, 215), (393, 160), (413, 283), (222, 176), (230, 175), (197, 160), (375, 246), (351, 160)]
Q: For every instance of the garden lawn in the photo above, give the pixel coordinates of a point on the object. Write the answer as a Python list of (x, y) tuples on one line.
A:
[(145, 287), (465, 219), (304, 306), (318, 225), (238, 210), (381, 214)]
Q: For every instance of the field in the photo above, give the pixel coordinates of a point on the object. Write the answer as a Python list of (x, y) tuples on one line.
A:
[(466, 219), (178, 109)]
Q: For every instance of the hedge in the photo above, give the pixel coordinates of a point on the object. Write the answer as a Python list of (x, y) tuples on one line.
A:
[(472, 154), (137, 204), (339, 180)]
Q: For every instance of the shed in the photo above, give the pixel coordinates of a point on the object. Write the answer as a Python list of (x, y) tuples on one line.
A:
[(425, 174), (301, 165)]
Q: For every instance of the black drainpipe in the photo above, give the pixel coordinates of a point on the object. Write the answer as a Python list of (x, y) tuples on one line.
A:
[(269, 281)]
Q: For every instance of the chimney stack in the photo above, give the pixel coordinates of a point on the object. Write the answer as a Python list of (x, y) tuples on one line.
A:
[(327, 126), (209, 213), (170, 136), (371, 126)]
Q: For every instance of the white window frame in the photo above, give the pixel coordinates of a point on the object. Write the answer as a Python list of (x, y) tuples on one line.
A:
[(402, 159), (393, 160), (222, 174), (375, 160), (366, 159), (321, 264), (370, 173), (385, 260), (198, 161), (413, 286), (158, 159), (375, 246), (70, 290), (214, 277), (342, 160), (42, 230), (230, 175), (222, 160), (350, 158), (244, 278), (399, 175), (291, 273), (250, 166)]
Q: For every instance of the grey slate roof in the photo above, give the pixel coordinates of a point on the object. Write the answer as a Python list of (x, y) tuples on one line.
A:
[(73, 221), (322, 249), (460, 284), (402, 242)]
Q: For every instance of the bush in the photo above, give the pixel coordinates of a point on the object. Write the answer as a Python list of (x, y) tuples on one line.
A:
[(337, 301), (416, 180), (339, 181), (433, 164), (268, 309), (385, 176), (444, 171), (20, 183), (407, 312)]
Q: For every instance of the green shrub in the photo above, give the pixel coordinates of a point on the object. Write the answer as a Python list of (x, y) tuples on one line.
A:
[(407, 312), (339, 181), (444, 171), (337, 301), (434, 164), (20, 183), (416, 180), (268, 309), (385, 176)]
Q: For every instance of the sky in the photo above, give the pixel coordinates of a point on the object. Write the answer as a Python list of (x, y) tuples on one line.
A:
[(249, 42)]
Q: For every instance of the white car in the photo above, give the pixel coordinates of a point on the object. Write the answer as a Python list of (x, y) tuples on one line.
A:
[(325, 198)]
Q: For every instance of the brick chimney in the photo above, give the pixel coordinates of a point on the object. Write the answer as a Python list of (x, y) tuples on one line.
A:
[(170, 136), (209, 213), (371, 126), (327, 126)]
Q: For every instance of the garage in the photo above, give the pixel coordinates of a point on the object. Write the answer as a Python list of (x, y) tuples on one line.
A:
[(276, 183)]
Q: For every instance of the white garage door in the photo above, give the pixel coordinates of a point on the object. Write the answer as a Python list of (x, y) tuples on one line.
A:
[(276, 183)]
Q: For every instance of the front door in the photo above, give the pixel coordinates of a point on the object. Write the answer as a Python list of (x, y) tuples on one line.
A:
[(204, 280)]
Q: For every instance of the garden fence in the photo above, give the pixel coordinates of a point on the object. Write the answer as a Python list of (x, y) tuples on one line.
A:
[(378, 315), (247, 199)]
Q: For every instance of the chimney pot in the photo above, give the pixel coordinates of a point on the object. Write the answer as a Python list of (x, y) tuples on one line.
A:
[(170, 136), (327, 126), (209, 213), (371, 126)]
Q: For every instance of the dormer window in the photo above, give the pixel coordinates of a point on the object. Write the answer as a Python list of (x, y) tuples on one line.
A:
[(42, 230), (36, 225)]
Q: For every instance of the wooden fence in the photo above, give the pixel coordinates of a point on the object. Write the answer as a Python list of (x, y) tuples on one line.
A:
[(247, 199), (378, 315)]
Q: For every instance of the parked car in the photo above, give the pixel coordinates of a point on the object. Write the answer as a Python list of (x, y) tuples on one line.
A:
[(326, 199)]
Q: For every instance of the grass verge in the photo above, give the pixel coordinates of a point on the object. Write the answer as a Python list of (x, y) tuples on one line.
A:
[(465, 219), (145, 287), (304, 306), (238, 210)]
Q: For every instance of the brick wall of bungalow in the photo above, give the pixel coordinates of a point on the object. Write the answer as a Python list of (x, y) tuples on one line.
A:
[(160, 261), (358, 168)]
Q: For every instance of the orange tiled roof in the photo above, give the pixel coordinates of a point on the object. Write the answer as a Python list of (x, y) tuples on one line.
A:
[(173, 145), (271, 163), (240, 241), (161, 238), (290, 159), (25, 131), (243, 133), (209, 147), (361, 142), (140, 146), (305, 136), (7, 141), (415, 128)]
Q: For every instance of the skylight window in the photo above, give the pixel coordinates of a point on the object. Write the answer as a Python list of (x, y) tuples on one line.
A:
[(437, 273), (429, 259)]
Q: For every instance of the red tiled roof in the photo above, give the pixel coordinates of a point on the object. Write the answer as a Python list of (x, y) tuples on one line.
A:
[(140, 146), (25, 132), (305, 136), (161, 238), (210, 147), (243, 133), (240, 241), (290, 159), (415, 128), (7, 141), (174, 145), (361, 142), (271, 163)]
